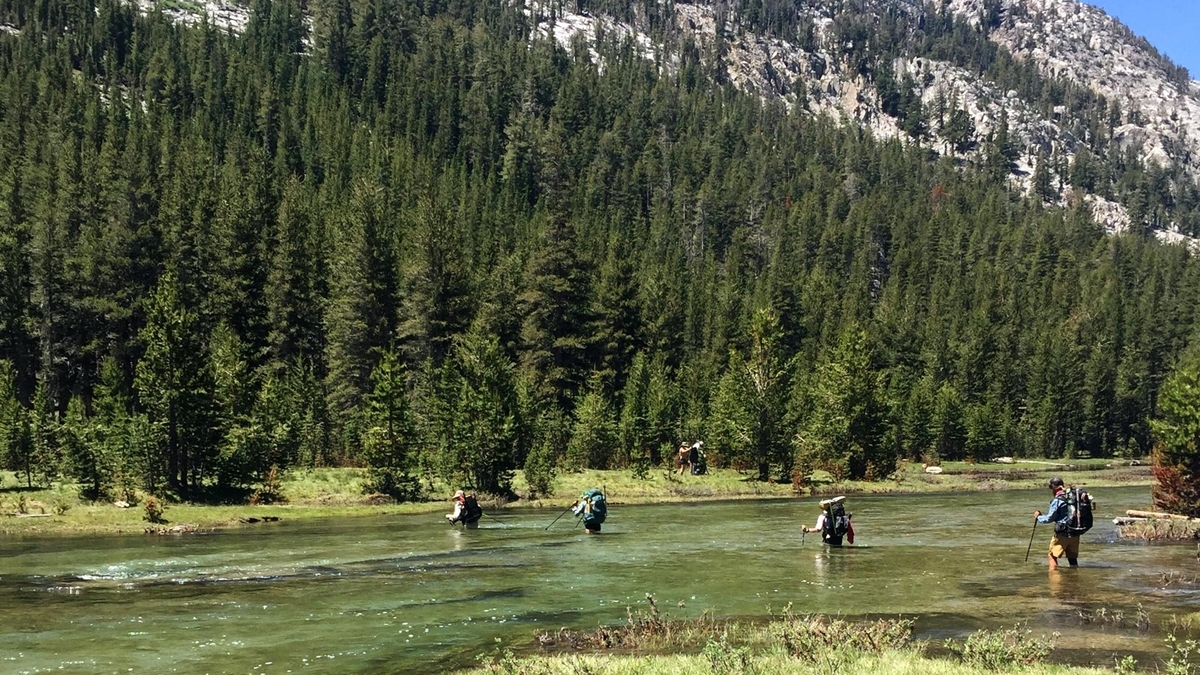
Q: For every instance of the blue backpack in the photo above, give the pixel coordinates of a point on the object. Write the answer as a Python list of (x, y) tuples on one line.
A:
[(599, 508)]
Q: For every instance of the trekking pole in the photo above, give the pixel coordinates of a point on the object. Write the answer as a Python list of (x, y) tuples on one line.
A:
[(560, 516), (498, 520), (1030, 547)]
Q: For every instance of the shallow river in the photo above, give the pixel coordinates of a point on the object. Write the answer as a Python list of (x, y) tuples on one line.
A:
[(410, 594)]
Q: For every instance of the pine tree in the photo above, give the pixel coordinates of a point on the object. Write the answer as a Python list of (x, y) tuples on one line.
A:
[(984, 431), (46, 433), (663, 412), (844, 432), (633, 428), (749, 411), (84, 452), (389, 435), (959, 131), (243, 452), (111, 426), (1177, 441), (438, 298), (361, 318), (477, 430), (16, 439), (618, 316), (554, 339), (948, 425), (552, 433), (295, 284), (174, 385), (594, 434), (916, 415)]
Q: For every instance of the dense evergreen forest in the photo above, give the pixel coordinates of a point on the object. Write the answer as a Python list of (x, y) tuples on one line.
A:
[(419, 238)]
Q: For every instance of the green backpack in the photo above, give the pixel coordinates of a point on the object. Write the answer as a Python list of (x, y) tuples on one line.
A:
[(599, 510)]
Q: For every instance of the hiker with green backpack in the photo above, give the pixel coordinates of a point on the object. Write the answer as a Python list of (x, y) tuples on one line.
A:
[(1071, 512), (593, 509), (833, 523)]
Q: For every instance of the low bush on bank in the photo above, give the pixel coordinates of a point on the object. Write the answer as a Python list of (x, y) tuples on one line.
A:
[(787, 643), (736, 662), (1004, 649), (812, 638), (650, 642)]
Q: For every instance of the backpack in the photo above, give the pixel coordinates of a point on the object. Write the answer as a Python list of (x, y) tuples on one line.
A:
[(599, 510), (837, 523), (1079, 513), (699, 462), (471, 511)]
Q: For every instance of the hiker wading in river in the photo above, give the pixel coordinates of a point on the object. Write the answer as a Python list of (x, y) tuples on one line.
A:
[(1066, 516), (833, 523), (592, 509), (466, 510)]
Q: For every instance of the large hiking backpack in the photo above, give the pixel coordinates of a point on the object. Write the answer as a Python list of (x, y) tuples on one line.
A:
[(599, 508), (698, 461), (471, 512), (1079, 512), (837, 523)]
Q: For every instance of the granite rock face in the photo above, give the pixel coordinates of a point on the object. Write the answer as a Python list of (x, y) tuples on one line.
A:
[(1157, 105)]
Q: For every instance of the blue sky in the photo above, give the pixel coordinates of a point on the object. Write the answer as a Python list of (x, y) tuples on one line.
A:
[(1172, 26)]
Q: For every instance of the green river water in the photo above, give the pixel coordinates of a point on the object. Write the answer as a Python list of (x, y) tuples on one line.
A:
[(411, 595)]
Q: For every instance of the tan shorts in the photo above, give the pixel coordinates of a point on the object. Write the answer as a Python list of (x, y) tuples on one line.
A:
[(1064, 547)]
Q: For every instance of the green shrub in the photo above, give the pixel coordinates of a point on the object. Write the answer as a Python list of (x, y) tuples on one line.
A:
[(1000, 649), (1126, 666), (815, 638), (1183, 654), (154, 511), (724, 659)]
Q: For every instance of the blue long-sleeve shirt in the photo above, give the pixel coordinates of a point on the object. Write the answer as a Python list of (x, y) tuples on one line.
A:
[(1057, 511)]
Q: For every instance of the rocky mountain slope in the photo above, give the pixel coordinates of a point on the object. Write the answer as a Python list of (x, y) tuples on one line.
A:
[(1136, 108), (1153, 108)]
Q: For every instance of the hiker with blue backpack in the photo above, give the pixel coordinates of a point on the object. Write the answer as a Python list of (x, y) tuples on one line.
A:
[(592, 509), (833, 523), (1071, 512)]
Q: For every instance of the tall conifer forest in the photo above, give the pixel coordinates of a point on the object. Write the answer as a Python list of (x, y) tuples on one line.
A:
[(415, 236)]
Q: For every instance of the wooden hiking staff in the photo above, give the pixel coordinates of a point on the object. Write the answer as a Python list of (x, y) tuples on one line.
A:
[(1030, 547)]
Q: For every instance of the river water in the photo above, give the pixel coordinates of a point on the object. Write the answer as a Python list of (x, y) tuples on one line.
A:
[(410, 594)]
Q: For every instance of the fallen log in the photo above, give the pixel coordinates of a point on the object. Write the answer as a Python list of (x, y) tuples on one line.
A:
[(1157, 514), (1128, 521), (34, 515)]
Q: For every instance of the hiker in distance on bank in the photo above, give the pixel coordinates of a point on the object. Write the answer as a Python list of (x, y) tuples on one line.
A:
[(681, 459), (834, 522), (1071, 512), (697, 460), (466, 510), (593, 509)]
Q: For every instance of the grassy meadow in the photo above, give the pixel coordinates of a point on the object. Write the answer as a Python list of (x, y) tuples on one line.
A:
[(328, 492)]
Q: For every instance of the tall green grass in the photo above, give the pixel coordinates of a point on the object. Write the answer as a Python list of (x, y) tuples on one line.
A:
[(889, 663)]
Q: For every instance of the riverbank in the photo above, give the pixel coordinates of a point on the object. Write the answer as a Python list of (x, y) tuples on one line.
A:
[(786, 645), (895, 663), (1160, 529), (326, 493)]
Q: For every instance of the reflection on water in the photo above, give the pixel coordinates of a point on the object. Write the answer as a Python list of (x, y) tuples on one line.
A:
[(406, 594)]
